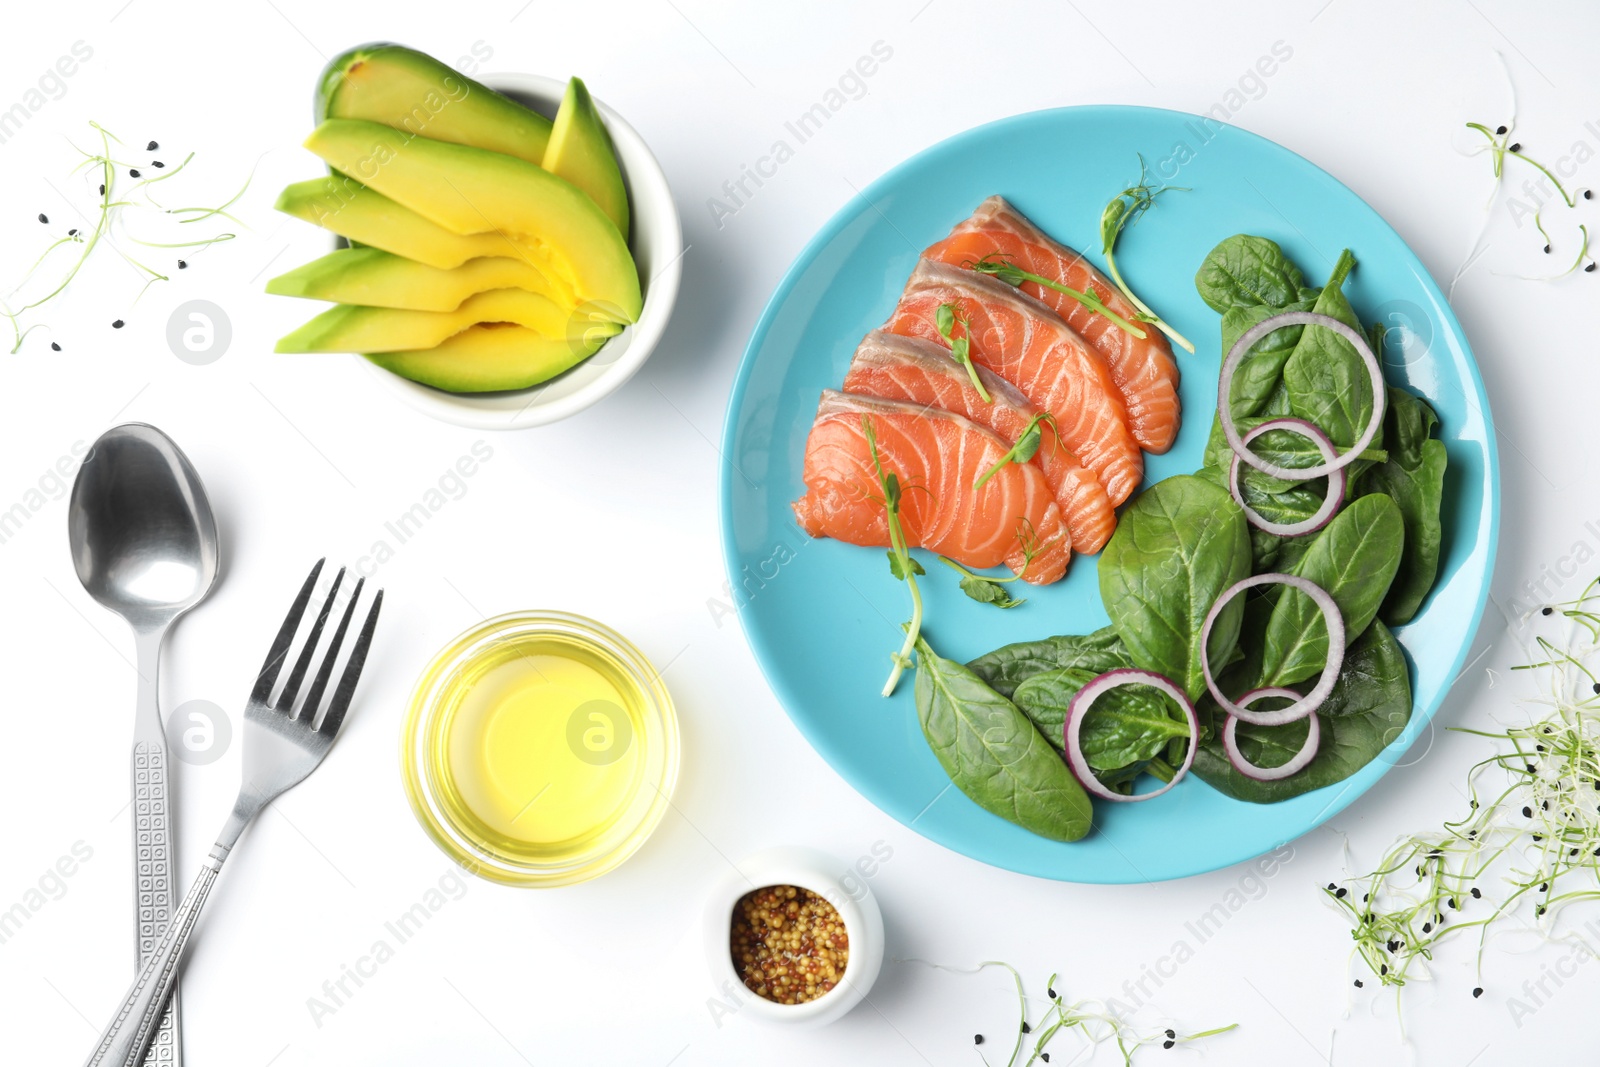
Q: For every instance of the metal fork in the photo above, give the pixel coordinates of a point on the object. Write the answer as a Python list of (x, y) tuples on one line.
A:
[(280, 749)]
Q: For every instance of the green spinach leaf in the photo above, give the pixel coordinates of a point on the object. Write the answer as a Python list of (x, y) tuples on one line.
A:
[(1354, 558), (1327, 382), (1369, 709), (1177, 548), (1008, 666), (993, 754), (1245, 270), (1419, 493)]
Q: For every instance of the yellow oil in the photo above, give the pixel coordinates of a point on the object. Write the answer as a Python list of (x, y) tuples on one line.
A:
[(539, 747)]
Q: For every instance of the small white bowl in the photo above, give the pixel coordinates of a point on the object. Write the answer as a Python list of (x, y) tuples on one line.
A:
[(657, 244), (824, 875)]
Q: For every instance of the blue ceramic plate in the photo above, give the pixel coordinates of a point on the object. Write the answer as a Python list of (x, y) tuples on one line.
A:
[(823, 617)]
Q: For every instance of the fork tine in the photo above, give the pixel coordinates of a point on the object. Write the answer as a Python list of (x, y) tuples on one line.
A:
[(291, 688), (320, 684), (352, 672), (262, 693)]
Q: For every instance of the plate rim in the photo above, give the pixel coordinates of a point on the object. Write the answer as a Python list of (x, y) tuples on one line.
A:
[(847, 213)]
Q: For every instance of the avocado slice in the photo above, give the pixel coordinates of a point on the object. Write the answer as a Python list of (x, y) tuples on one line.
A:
[(375, 278), (488, 358), (580, 151), (354, 328), (356, 213), (474, 191), (413, 92)]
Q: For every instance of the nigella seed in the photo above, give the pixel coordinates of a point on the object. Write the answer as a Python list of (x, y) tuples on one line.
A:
[(1477, 992), (977, 1039), (133, 172), (44, 218), (1340, 893), (117, 325), (151, 147), (54, 347)]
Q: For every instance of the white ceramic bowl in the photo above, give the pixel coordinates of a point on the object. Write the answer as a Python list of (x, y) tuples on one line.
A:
[(824, 875), (657, 245)]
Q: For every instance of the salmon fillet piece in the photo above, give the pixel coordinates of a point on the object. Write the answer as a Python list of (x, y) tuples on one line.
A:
[(1028, 345), (1144, 370), (937, 456), (920, 372)]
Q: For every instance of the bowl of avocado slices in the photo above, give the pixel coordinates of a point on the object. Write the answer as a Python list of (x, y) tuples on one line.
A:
[(507, 253)]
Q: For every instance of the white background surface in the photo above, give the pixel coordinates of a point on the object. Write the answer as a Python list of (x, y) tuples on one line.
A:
[(613, 514)]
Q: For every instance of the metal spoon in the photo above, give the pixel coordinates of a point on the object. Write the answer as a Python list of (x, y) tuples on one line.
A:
[(144, 543)]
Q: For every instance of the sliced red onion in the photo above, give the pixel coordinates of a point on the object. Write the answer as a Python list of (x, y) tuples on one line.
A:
[(1085, 697), (1236, 356), (1307, 753), (1336, 644), (1271, 718), (1336, 481)]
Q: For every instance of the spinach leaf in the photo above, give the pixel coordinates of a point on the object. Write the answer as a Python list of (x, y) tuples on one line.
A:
[(1327, 383), (1354, 558), (1419, 493), (1179, 545), (1127, 725), (1257, 387), (1408, 424), (993, 754), (1245, 270), (1369, 708), (1008, 666)]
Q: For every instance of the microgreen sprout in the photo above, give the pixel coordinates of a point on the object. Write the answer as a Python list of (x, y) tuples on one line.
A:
[(1500, 147), (945, 320), (1122, 211), (1000, 266), (901, 564), (986, 589), (97, 226), (1529, 843), (1026, 447), (1096, 1022)]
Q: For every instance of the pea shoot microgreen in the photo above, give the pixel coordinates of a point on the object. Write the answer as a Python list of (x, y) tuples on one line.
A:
[(1026, 447), (983, 588), (1000, 266), (1530, 840), (1122, 211), (901, 563), (945, 319)]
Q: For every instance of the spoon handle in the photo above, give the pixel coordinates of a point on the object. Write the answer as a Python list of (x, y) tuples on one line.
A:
[(154, 891)]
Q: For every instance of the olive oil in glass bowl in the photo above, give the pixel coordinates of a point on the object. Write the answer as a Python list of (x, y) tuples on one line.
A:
[(540, 749)]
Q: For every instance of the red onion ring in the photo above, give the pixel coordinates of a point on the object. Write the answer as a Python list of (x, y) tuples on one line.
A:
[(1085, 697), (1307, 753), (1236, 356), (1270, 718), (1336, 481), (1336, 645)]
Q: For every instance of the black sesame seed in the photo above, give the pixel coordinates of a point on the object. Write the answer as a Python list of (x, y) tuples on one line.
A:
[(183, 264), (54, 347), (151, 147), (1477, 992), (44, 218), (156, 163), (133, 172), (1340, 893), (117, 325), (1502, 131), (977, 1039), (1475, 893)]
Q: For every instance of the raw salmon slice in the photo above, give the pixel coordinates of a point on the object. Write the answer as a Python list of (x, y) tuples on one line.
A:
[(1144, 370), (937, 456), (1028, 345), (921, 372)]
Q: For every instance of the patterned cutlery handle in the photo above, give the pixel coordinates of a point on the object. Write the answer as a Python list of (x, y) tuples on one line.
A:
[(153, 880)]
